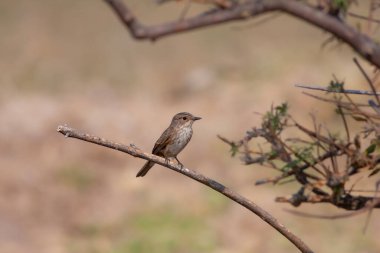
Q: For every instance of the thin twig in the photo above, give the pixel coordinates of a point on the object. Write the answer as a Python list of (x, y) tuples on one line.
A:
[(356, 92), (289, 173), (309, 164), (337, 216), (345, 123), (341, 103), (348, 106), (348, 202), (185, 10), (368, 80), (363, 17), (371, 207)]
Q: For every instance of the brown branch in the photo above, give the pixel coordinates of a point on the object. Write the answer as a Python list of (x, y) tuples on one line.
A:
[(368, 79), (136, 152), (361, 43), (289, 173), (370, 206), (363, 17), (351, 106), (347, 202), (216, 16)]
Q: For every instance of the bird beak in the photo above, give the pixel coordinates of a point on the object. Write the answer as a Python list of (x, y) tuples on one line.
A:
[(196, 118)]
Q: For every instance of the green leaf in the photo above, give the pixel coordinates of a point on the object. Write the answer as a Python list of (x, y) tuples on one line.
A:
[(275, 119), (336, 86), (290, 165), (282, 109), (371, 148), (234, 149), (340, 4)]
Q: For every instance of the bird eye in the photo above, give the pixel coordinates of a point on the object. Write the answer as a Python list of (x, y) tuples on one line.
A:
[(184, 118)]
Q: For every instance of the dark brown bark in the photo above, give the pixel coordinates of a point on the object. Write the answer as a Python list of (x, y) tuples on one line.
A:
[(361, 43)]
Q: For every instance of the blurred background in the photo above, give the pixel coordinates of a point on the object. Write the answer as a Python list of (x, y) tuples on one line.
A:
[(72, 62)]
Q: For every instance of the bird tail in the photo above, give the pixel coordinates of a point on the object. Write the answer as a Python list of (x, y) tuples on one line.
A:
[(148, 165)]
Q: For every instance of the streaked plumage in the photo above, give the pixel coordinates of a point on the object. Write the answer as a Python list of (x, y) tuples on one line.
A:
[(173, 140)]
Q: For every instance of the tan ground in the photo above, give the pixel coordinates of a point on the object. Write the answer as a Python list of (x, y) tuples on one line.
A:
[(72, 62)]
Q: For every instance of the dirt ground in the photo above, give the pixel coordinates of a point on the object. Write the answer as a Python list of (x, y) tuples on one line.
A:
[(72, 62)]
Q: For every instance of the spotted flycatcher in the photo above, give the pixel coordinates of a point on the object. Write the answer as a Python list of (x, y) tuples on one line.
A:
[(172, 140)]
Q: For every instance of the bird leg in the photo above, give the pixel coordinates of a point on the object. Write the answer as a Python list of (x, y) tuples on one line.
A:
[(179, 162)]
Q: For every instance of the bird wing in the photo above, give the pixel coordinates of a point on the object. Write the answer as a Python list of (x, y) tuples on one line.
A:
[(162, 142)]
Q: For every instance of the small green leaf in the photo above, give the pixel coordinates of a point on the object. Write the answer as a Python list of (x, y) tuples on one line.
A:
[(234, 149), (275, 119), (336, 86), (272, 154), (282, 109), (290, 165), (340, 4), (371, 148)]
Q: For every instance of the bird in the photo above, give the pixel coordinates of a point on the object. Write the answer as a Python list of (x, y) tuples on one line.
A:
[(173, 140)]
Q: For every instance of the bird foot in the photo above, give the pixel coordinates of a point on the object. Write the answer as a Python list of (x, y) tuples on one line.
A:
[(179, 163)]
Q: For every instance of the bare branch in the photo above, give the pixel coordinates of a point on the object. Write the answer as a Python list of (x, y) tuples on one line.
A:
[(346, 91), (348, 202), (368, 79), (363, 17), (213, 17), (136, 152), (361, 43), (370, 205)]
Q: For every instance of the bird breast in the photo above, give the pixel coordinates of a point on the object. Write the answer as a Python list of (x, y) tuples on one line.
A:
[(179, 141)]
